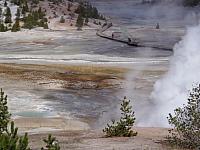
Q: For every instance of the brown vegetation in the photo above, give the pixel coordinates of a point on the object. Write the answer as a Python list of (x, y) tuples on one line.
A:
[(74, 77)]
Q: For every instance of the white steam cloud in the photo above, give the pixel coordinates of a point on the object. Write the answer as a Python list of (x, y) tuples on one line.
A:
[(172, 90)]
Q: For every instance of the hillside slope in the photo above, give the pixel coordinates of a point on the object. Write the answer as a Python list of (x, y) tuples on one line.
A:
[(47, 14)]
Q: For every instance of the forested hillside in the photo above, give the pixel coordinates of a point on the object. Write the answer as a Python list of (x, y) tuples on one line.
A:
[(29, 14)]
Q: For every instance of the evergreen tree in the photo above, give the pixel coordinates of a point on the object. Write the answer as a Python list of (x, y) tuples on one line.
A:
[(79, 22), (46, 25), (16, 2), (62, 20), (16, 26), (81, 9), (35, 15), (95, 13), (40, 13), (18, 13), (36, 19), (85, 9), (86, 20), (11, 141), (69, 6), (26, 9), (4, 113), (51, 143), (23, 11), (124, 125), (8, 15), (35, 1), (5, 3), (2, 27), (28, 22), (5, 28), (186, 122), (1, 12)]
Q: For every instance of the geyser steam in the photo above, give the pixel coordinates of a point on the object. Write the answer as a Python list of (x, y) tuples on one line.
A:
[(172, 90)]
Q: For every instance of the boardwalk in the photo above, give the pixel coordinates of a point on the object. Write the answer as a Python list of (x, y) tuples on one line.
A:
[(130, 41), (105, 27)]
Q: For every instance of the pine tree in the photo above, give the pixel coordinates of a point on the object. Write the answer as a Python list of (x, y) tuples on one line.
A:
[(23, 11), (5, 3), (45, 26), (79, 22), (86, 10), (11, 141), (28, 22), (1, 12), (51, 143), (40, 13), (124, 126), (81, 9), (5, 28), (2, 28), (16, 2), (35, 15), (186, 122), (4, 113), (8, 15), (95, 13), (26, 9), (86, 20), (35, 1), (69, 6), (41, 23), (62, 20), (18, 13), (16, 26)]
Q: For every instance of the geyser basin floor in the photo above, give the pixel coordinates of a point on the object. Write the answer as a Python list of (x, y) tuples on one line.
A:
[(148, 138), (46, 91), (82, 93)]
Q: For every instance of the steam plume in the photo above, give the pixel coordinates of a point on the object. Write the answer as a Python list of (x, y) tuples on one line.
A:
[(172, 90)]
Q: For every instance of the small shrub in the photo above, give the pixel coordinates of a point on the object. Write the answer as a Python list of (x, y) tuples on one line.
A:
[(124, 125), (186, 122), (51, 143), (62, 20)]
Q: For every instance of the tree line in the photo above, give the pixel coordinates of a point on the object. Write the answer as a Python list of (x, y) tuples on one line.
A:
[(86, 11), (24, 17)]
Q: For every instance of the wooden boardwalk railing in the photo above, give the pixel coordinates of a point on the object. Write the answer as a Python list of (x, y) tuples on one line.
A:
[(129, 41)]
